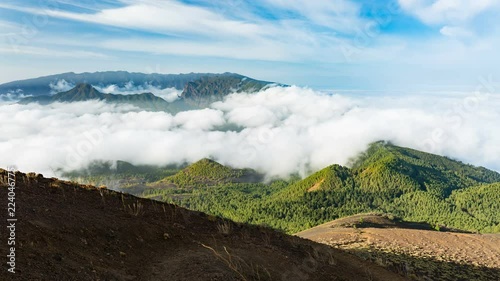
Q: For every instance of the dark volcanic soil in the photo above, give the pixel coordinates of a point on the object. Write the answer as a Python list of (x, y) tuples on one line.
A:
[(67, 231)]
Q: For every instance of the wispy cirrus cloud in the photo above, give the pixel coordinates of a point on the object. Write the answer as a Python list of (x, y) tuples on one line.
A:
[(456, 19), (448, 11), (38, 51), (341, 16), (166, 17), (403, 38)]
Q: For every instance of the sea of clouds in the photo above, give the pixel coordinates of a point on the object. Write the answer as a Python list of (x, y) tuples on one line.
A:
[(278, 131)]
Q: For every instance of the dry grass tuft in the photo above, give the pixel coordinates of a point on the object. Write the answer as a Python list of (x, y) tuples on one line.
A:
[(225, 227), (135, 209), (238, 265)]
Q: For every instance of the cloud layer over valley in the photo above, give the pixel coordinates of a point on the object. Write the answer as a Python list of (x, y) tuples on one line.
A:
[(168, 94), (278, 131)]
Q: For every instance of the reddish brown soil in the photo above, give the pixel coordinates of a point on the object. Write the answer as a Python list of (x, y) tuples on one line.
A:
[(465, 256), (316, 186), (66, 231)]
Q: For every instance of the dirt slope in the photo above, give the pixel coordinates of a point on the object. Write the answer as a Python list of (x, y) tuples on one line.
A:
[(66, 231), (419, 254)]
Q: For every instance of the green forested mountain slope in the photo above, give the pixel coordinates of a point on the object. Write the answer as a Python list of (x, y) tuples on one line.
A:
[(412, 185), (388, 167), (474, 208), (206, 173)]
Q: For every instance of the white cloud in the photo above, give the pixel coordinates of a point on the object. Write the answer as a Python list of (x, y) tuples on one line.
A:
[(264, 49), (60, 86), (312, 33), (339, 15), (284, 130), (167, 17), (456, 32), (447, 11), (204, 119), (12, 28), (12, 47), (12, 96), (207, 31), (168, 94)]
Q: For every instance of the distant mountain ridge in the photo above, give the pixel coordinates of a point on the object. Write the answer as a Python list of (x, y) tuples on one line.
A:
[(42, 85), (85, 92), (199, 93)]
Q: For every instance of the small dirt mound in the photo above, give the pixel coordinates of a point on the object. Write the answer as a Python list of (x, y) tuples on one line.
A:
[(412, 250)]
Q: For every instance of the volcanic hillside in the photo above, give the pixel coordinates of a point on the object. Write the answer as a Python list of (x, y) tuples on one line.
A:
[(67, 231), (414, 250)]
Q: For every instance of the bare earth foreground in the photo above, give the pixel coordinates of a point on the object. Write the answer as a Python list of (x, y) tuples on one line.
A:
[(419, 254), (67, 231)]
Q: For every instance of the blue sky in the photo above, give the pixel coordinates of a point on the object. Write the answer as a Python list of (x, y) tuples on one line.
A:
[(339, 44)]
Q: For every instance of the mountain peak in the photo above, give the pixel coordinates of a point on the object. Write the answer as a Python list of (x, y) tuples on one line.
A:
[(84, 86), (207, 89), (208, 172), (419, 170), (394, 170), (80, 92), (206, 161)]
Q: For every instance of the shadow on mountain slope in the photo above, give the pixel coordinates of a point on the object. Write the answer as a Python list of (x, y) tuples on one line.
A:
[(413, 250), (67, 231), (427, 267)]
